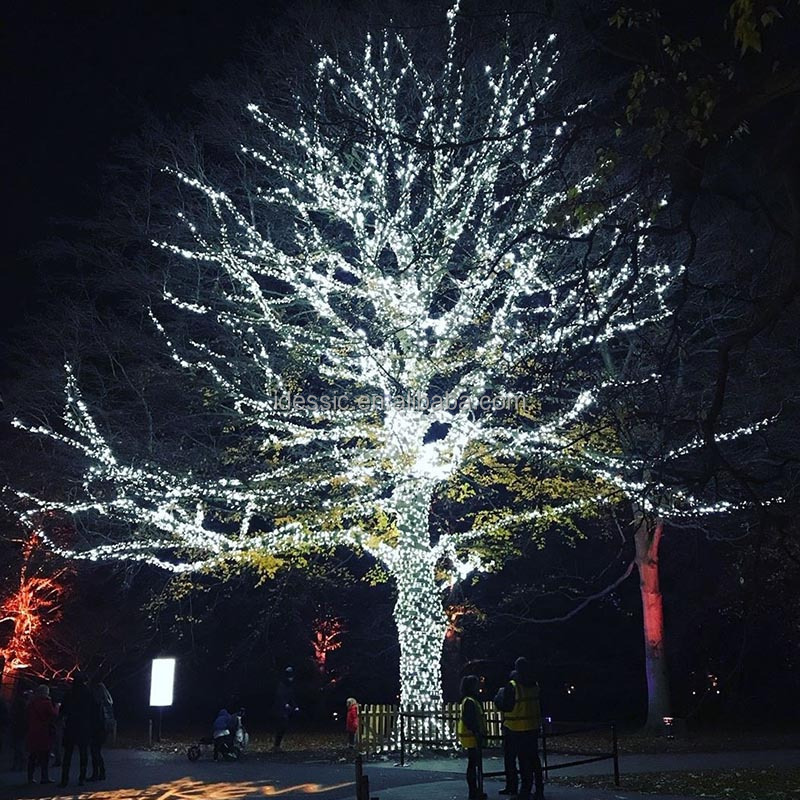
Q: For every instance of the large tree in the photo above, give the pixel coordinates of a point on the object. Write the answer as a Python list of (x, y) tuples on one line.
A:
[(421, 241)]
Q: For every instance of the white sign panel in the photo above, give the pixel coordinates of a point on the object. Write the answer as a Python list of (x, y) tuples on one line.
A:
[(161, 680)]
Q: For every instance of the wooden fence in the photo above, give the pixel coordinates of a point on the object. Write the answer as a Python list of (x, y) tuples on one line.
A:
[(383, 728), (380, 728)]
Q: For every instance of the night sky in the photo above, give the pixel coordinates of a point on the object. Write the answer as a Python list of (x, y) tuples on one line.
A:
[(79, 78)]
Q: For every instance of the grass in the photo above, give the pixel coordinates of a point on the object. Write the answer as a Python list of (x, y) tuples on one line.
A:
[(301, 745), (732, 784), (332, 737), (328, 744), (701, 742), (708, 742), (591, 742)]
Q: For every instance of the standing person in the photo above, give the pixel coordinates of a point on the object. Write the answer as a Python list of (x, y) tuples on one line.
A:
[(522, 719), (4, 718), (102, 712), (77, 711), (509, 759), (57, 696), (351, 724), (285, 706), (41, 713), (19, 723), (472, 734), (107, 702)]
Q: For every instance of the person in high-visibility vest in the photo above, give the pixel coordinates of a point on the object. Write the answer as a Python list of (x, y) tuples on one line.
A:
[(519, 700), (472, 734)]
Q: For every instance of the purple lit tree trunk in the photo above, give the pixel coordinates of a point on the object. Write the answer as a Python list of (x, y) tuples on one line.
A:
[(647, 539)]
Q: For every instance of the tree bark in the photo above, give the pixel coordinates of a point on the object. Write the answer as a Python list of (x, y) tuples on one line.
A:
[(647, 538)]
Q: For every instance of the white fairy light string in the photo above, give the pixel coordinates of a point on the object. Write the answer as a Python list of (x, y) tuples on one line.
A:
[(406, 265)]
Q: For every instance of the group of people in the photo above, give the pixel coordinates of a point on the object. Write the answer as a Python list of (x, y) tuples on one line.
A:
[(285, 707), (226, 726), (82, 719), (518, 701)]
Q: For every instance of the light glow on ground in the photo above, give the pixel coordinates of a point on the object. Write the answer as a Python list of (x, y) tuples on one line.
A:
[(191, 789)]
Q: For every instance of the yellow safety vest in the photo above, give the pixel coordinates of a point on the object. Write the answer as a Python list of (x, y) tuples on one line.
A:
[(465, 735), (526, 715)]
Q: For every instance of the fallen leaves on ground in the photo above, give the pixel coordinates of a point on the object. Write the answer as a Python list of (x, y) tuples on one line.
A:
[(731, 784)]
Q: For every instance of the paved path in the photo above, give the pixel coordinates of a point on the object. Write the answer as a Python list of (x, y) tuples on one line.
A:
[(142, 775)]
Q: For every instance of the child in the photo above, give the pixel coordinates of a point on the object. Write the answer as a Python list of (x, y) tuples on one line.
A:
[(472, 733), (352, 721)]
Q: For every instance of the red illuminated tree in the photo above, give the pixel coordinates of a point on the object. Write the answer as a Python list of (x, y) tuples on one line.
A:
[(327, 639), (29, 617)]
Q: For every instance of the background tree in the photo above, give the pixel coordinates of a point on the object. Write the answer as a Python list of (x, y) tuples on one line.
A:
[(31, 607), (56, 617), (711, 101)]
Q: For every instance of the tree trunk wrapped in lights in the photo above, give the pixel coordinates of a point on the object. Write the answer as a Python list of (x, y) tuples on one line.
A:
[(421, 248)]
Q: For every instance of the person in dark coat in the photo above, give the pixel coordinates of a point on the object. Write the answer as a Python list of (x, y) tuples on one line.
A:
[(509, 758), (285, 706), (77, 710), (222, 731), (41, 714), (57, 693), (19, 723), (102, 713), (4, 717)]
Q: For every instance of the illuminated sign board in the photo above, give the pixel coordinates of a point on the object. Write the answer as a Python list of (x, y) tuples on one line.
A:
[(162, 679)]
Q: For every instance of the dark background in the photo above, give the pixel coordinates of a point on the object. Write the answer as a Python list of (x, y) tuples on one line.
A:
[(78, 79)]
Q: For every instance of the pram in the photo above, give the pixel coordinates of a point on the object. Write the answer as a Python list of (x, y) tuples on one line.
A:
[(225, 745)]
